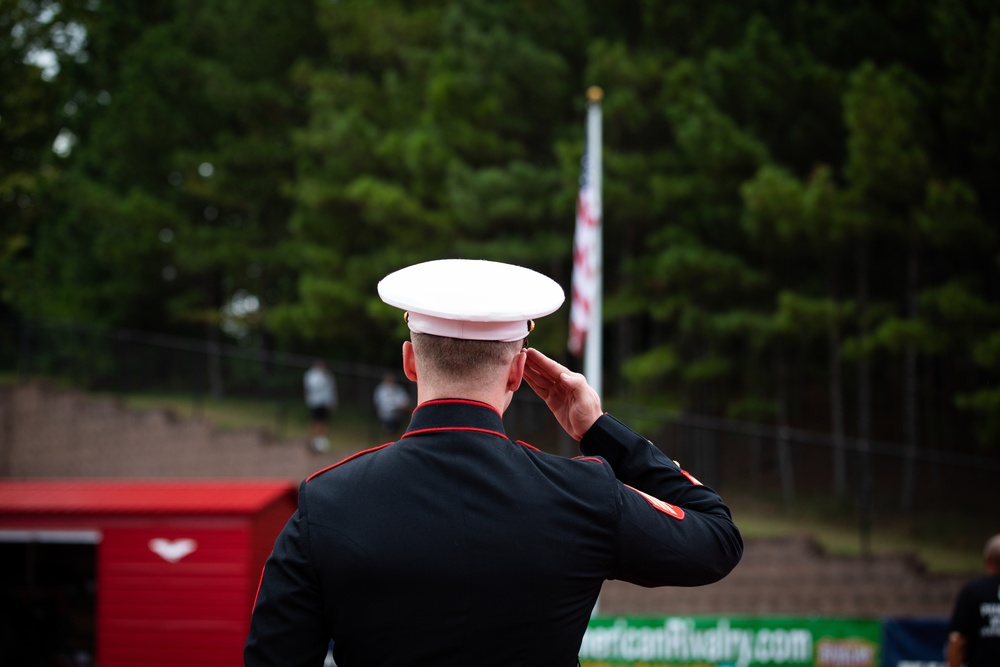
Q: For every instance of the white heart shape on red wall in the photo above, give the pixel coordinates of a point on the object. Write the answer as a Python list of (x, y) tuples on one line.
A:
[(172, 550)]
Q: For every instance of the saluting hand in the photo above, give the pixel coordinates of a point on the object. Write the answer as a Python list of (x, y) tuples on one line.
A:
[(574, 403)]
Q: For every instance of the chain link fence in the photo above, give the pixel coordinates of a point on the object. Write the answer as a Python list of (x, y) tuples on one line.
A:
[(786, 465)]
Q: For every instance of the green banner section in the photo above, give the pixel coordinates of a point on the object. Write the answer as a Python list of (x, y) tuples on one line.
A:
[(717, 641)]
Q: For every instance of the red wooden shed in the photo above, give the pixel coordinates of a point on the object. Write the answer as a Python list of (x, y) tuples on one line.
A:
[(137, 572)]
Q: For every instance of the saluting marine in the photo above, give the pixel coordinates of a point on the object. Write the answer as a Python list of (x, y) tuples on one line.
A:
[(457, 546)]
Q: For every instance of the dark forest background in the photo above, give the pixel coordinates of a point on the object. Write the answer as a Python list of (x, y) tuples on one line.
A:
[(800, 198)]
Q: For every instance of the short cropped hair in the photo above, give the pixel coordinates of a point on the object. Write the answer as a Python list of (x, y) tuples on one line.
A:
[(991, 554), (460, 360)]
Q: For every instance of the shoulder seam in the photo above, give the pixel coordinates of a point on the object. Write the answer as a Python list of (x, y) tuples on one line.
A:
[(349, 458)]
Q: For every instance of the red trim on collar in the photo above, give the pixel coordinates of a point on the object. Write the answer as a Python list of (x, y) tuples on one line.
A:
[(464, 401), (439, 429), (349, 458), (588, 458), (523, 443)]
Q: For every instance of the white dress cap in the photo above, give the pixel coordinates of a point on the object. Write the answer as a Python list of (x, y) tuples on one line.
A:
[(471, 298)]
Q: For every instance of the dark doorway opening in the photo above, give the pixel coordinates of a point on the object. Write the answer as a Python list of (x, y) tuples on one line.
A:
[(47, 602)]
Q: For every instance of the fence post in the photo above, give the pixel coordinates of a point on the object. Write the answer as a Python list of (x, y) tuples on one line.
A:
[(24, 352), (785, 466), (756, 462), (867, 482)]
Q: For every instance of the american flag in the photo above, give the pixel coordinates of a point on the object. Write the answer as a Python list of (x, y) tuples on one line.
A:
[(585, 305), (585, 269)]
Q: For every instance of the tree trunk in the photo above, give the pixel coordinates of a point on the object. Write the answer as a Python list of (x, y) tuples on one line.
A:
[(785, 467), (864, 402), (214, 361), (836, 398), (910, 382)]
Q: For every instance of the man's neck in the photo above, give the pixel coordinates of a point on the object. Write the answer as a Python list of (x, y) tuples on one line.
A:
[(497, 400)]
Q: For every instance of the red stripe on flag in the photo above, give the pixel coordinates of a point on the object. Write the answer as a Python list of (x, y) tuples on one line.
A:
[(584, 273)]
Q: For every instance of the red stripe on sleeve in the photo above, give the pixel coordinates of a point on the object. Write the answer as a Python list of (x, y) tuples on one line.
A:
[(665, 507)]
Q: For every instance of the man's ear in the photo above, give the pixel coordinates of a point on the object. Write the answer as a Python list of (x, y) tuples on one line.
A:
[(516, 371), (409, 361)]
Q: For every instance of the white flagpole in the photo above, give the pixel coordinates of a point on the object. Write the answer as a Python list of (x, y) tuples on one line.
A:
[(592, 358), (594, 343)]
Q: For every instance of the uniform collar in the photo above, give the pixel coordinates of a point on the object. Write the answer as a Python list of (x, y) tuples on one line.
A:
[(455, 413)]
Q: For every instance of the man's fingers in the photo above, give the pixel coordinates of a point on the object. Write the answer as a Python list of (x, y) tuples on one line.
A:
[(541, 389), (543, 365), (575, 405), (545, 377), (534, 377)]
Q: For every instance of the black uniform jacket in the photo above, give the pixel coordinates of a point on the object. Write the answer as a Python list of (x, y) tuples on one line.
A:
[(457, 546)]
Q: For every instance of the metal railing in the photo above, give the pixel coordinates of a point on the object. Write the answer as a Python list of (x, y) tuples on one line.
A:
[(786, 465)]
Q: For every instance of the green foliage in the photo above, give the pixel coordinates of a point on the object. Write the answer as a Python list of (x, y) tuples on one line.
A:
[(753, 408), (983, 406), (28, 127), (788, 188), (652, 363), (797, 313), (986, 352)]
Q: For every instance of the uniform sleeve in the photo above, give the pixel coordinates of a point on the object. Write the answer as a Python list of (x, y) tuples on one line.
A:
[(287, 627), (673, 531)]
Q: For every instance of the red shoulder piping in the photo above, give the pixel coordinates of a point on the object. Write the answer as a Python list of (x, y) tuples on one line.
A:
[(349, 458)]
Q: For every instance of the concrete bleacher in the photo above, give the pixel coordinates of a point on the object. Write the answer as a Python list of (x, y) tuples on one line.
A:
[(793, 576), (53, 433)]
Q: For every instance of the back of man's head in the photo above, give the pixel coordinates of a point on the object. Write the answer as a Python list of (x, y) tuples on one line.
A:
[(991, 555), (456, 361)]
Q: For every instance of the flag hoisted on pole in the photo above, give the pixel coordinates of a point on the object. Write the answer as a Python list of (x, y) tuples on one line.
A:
[(585, 309)]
